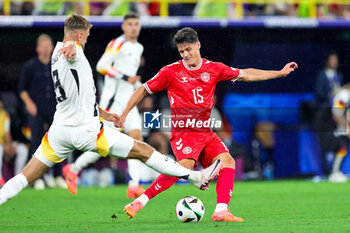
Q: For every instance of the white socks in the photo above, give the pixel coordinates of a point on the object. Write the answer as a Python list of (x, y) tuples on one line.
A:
[(12, 187), (168, 166), (337, 163), (220, 207), (84, 160), (134, 169), (143, 199)]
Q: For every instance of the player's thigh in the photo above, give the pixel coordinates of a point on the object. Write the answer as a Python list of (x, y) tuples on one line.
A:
[(213, 148), (187, 146), (136, 134), (119, 144), (55, 145)]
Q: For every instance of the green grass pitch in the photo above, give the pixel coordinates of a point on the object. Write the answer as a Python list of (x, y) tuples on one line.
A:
[(278, 206)]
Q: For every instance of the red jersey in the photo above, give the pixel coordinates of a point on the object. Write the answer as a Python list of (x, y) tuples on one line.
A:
[(191, 90)]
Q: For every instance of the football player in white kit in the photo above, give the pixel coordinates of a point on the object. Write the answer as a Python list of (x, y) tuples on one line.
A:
[(77, 125), (119, 65)]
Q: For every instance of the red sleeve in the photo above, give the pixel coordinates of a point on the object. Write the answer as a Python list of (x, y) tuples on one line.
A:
[(159, 82), (228, 73)]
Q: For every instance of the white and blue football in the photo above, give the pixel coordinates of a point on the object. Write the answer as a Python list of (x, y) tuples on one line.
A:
[(190, 209)]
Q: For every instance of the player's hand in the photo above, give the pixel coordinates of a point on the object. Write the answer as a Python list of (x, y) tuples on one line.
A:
[(288, 68), (109, 116), (68, 51), (31, 108), (134, 79), (119, 123)]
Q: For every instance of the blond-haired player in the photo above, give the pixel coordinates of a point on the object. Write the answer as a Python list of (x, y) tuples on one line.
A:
[(119, 65), (76, 123)]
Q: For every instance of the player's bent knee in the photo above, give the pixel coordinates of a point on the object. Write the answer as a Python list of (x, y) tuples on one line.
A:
[(227, 160), (141, 151)]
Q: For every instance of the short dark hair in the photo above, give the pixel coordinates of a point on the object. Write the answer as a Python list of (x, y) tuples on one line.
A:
[(131, 15), (185, 35), (74, 22)]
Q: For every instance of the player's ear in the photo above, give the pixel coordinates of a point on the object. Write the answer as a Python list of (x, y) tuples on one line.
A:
[(80, 36), (199, 44), (123, 27)]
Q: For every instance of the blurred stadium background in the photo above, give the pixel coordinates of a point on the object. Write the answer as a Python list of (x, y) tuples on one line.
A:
[(262, 34)]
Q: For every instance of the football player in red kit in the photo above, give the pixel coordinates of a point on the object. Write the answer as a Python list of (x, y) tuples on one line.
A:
[(190, 84)]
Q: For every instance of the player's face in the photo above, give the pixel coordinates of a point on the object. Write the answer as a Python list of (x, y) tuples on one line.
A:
[(131, 28), (44, 47), (83, 36), (190, 53)]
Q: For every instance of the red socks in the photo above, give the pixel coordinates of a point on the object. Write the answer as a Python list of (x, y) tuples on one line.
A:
[(224, 185), (161, 184)]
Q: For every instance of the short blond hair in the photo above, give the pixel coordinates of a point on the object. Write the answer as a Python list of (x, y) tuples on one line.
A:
[(76, 22)]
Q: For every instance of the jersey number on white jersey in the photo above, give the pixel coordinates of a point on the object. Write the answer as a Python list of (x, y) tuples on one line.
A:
[(60, 93)]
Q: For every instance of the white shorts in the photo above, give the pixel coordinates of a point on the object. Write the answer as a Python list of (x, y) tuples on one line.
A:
[(132, 121), (60, 141)]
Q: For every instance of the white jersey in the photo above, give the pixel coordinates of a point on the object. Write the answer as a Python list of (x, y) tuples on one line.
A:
[(121, 57), (75, 89)]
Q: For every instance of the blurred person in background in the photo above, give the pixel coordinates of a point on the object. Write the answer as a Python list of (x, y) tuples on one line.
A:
[(340, 138), (36, 90), (339, 10), (56, 8), (120, 8), (119, 65), (328, 81), (281, 9), (9, 149), (205, 8)]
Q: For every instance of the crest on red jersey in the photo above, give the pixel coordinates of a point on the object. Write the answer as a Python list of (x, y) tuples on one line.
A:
[(187, 150), (205, 77)]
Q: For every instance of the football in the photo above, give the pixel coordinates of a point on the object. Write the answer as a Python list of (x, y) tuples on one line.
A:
[(190, 209)]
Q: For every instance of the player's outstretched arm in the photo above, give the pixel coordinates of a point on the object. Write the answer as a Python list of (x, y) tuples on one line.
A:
[(251, 75), (136, 97)]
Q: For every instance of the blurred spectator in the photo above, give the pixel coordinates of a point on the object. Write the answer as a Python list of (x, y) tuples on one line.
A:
[(21, 8), (281, 9), (205, 8), (57, 8), (178, 9), (340, 10), (253, 10), (328, 81), (9, 149), (117, 8), (120, 8), (97, 8), (36, 89)]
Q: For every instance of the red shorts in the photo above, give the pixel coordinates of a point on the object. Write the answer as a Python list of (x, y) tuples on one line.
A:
[(199, 146)]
